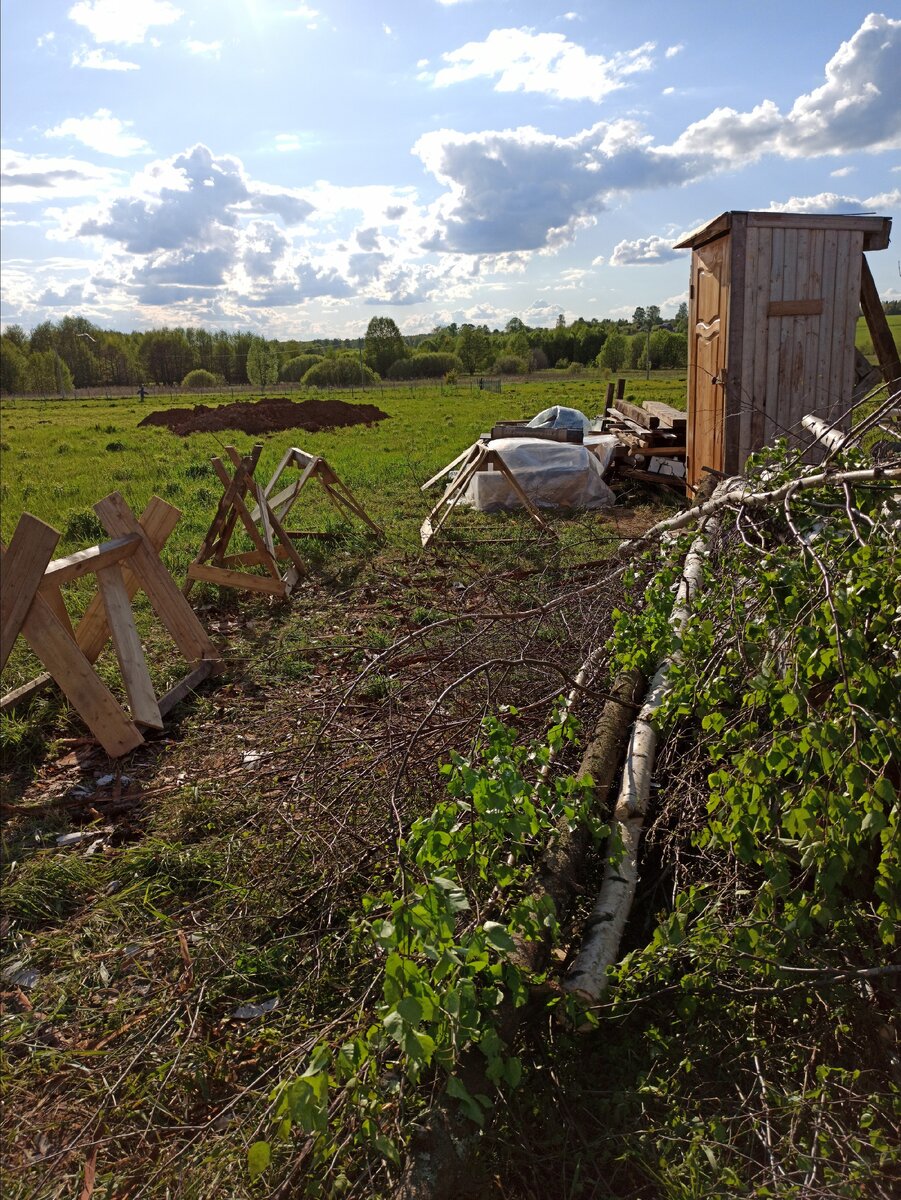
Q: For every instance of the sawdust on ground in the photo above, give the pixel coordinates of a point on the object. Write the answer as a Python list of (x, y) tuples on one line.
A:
[(269, 415)]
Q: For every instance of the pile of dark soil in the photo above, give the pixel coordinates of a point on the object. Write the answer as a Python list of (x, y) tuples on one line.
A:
[(266, 416)]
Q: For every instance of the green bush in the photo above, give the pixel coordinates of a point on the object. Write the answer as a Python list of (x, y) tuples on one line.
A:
[(294, 369), (424, 366), (510, 364), (344, 371), (199, 378)]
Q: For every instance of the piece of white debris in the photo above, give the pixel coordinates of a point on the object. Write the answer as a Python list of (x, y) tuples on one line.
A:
[(247, 1012)]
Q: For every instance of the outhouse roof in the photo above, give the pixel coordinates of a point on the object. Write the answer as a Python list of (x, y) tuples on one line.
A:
[(875, 229)]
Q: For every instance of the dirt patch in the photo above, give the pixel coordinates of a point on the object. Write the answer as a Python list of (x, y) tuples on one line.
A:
[(266, 416)]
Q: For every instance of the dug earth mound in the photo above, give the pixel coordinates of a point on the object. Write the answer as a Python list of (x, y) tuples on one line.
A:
[(266, 416)]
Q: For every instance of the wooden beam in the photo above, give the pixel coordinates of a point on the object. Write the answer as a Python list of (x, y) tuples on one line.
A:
[(794, 308), (132, 665), (24, 563), (209, 573), (874, 315), (86, 562), (92, 632), (181, 690), (640, 416), (166, 600), (87, 694)]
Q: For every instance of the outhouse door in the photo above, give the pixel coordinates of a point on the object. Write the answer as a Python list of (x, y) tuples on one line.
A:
[(708, 324)]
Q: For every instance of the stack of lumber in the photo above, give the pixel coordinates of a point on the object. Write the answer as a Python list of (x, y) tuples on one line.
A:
[(646, 432)]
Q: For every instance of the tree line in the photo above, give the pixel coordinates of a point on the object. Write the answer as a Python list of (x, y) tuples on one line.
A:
[(59, 356)]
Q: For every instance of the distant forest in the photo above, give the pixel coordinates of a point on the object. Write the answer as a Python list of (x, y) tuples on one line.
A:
[(59, 356)]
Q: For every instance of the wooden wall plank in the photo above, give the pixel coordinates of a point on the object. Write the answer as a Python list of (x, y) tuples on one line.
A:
[(30, 550), (813, 332), (760, 345), (845, 378), (774, 338)]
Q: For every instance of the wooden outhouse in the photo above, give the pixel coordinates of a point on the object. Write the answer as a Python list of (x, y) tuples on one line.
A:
[(773, 306)]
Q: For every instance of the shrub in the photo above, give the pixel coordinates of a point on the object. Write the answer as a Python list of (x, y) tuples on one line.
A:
[(199, 378), (434, 365), (574, 368), (510, 364), (344, 371), (294, 369), (561, 364)]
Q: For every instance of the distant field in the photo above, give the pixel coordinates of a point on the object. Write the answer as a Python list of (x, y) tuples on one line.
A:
[(60, 456), (865, 342)]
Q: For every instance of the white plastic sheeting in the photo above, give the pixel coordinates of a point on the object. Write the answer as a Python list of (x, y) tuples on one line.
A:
[(552, 474), (560, 417)]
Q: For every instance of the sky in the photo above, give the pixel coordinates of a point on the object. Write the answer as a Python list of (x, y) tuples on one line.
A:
[(297, 168)]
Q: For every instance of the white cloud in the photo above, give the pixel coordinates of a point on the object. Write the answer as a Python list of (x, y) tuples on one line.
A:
[(99, 60), (45, 39), (102, 132), (831, 202), (209, 49), (571, 16), (305, 13), (842, 172), (668, 91), (857, 108), (31, 177), (520, 189), (522, 60), (672, 51), (124, 22), (652, 249)]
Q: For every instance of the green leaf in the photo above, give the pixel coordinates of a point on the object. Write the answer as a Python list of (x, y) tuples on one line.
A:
[(498, 937), (258, 1158)]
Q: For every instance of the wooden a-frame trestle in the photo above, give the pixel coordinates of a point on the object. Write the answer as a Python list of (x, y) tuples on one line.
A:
[(264, 515), (31, 604), (479, 457)]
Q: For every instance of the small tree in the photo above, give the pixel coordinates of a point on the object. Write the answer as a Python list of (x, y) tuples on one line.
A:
[(473, 347), (262, 364), (613, 352), (384, 344)]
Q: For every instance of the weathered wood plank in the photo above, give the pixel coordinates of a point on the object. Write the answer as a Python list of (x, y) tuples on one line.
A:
[(85, 562), (87, 694), (92, 632), (30, 550), (794, 308), (132, 665), (57, 606), (209, 573), (874, 314), (182, 690), (165, 598)]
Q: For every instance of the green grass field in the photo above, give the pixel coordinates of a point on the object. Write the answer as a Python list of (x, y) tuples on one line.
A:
[(865, 342)]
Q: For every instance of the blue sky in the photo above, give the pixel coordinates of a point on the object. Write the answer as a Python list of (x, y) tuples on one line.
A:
[(295, 168)]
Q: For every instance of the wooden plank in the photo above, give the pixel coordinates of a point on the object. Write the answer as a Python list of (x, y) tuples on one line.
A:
[(166, 600), (287, 457), (92, 632), (19, 694), (85, 562), (240, 508), (812, 332), (849, 361), (823, 389), (132, 665), (87, 694), (875, 227), (620, 388), (236, 579), (657, 451), (271, 523), (874, 315), (57, 605), (758, 348), (30, 550), (774, 342), (794, 308), (734, 318), (347, 497), (182, 690), (706, 233), (518, 489), (636, 413), (611, 388), (455, 462), (452, 494)]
